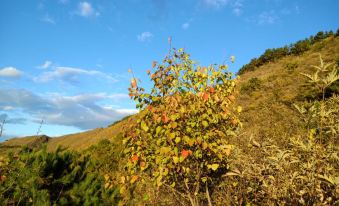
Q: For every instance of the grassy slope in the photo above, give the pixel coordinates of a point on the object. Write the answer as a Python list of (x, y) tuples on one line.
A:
[(78, 141), (268, 111)]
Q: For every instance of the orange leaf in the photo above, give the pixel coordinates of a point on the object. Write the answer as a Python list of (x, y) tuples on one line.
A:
[(154, 64), (134, 178), (231, 98), (133, 83), (142, 164), (211, 89), (186, 153), (148, 71), (205, 96), (134, 158), (164, 118)]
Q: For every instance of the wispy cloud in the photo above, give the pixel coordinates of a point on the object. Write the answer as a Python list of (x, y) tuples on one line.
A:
[(47, 64), (186, 24), (86, 9), (71, 75), (235, 5), (48, 19), (10, 72), (145, 36), (83, 111), (9, 120), (216, 3), (63, 1), (267, 17)]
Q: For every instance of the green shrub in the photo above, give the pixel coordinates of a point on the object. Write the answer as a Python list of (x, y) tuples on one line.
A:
[(291, 66), (253, 84), (62, 177)]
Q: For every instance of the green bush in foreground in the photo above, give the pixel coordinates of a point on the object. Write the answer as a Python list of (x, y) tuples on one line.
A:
[(53, 178)]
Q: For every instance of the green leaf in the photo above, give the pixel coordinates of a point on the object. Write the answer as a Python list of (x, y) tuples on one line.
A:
[(204, 123)]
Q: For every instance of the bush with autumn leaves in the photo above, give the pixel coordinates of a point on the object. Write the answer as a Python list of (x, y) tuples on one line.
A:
[(180, 141)]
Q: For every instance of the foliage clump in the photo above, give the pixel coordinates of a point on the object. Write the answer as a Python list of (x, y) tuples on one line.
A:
[(62, 177), (253, 84), (181, 138)]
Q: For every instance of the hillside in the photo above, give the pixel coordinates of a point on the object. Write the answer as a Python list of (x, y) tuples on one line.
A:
[(78, 141), (268, 93), (274, 143), (266, 101)]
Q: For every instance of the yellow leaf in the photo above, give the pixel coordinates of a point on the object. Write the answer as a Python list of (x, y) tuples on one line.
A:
[(123, 190), (164, 150), (213, 166), (175, 160), (144, 126)]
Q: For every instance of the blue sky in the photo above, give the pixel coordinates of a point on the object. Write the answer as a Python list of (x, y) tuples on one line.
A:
[(65, 61)]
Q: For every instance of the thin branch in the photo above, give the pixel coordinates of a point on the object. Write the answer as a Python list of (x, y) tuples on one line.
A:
[(2, 127), (39, 129), (208, 196)]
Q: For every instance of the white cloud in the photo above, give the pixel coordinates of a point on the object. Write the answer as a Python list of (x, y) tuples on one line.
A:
[(10, 72), (71, 75), (267, 17), (85, 9), (45, 65), (145, 36), (48, 19), (83, 111)]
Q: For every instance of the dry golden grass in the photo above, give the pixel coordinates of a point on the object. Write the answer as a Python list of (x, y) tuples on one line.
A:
[(268, 111)]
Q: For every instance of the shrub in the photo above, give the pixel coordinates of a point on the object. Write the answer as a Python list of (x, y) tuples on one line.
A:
[(39, 177), (180, 141), (291, 66), (253, 84)]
